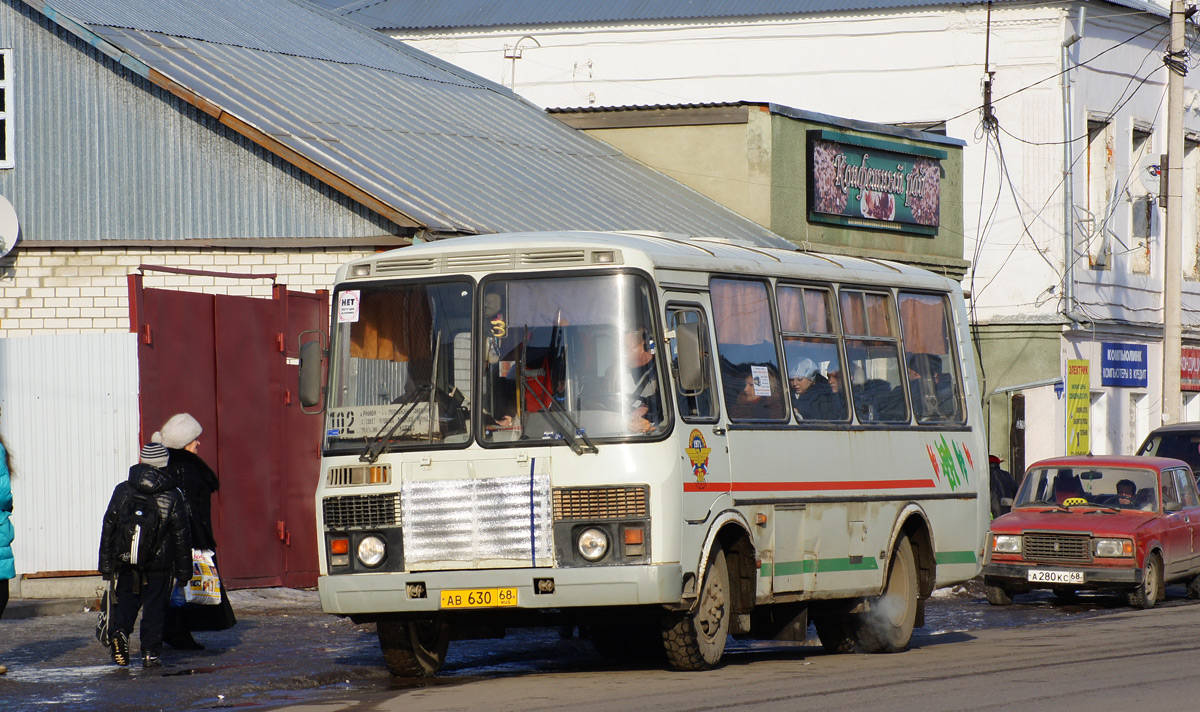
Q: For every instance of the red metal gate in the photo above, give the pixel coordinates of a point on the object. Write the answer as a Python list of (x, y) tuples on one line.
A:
[(231, 362)]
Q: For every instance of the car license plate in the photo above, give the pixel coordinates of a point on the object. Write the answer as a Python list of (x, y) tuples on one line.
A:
[(479, 598), (1044, 576)]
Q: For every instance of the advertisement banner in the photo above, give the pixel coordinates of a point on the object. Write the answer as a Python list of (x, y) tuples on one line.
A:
[(854, 180), (1124, 365), (1079, 407), (1189, 369)]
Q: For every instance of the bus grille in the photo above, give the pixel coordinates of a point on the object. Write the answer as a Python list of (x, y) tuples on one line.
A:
[(1058, 547), (478, 522), (359, 475), (358, 511), (599, 503)]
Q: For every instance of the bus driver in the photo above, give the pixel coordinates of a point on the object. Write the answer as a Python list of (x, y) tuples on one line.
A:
[(639, 381)]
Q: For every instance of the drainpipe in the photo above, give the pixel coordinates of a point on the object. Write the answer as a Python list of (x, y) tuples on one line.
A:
[(1068, 176)]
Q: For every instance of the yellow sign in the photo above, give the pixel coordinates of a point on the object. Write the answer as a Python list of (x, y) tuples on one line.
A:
[(1079, 407)]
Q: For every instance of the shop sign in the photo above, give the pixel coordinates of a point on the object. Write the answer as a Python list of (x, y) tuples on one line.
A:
[(1079, 407), (1124, 365), (1189, 369), (854, 180)]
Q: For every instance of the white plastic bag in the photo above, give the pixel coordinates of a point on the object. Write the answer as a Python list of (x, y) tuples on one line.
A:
[(205, 587)]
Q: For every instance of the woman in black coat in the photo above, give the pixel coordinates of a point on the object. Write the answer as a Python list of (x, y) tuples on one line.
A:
[(181, 435)]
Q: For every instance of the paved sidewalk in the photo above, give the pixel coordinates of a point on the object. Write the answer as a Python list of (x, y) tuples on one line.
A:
[(34, 607)]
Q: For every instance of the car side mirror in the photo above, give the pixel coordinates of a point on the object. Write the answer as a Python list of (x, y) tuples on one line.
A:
[(690, 354), (1172, 506), (1006, 501), (311, 357)]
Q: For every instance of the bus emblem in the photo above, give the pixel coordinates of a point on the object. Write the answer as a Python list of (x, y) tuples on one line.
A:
[(697, 451)]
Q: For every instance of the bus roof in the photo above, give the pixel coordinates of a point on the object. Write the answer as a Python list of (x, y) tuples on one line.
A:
[(654, 250)]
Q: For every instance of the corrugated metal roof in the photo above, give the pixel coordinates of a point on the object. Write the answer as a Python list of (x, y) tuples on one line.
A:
[(433, 14), (450, 150)]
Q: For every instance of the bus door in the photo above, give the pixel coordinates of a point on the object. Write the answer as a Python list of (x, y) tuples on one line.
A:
[(704, 454)]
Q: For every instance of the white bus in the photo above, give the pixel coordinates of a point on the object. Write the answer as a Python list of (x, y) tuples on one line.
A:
[(659, 439)]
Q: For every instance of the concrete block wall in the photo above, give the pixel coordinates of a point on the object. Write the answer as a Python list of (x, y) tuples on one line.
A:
[(86, 290)]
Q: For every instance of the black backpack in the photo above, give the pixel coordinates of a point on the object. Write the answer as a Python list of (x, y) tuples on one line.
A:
[(138, 527)]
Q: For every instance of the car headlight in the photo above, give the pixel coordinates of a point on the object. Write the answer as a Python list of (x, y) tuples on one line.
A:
[(1113, 548), (593, 544), (1006, 544), (371, 551)]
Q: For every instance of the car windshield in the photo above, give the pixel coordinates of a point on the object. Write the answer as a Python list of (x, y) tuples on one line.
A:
[(1116, 487), (400, 372), (1181, 445), (569, 358)]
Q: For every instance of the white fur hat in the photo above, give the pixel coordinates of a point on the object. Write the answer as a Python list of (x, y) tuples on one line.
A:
[(178, 432)]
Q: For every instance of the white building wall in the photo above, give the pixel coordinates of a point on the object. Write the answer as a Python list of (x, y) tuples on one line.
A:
[(86, 290)]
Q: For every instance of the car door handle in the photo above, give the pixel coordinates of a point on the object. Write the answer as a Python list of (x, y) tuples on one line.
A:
[(717, 430)]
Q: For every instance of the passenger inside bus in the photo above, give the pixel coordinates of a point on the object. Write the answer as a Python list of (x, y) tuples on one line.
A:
[(757, 397), (638, 377)]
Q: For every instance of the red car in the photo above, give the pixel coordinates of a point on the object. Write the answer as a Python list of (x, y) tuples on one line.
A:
[(1117, 523)]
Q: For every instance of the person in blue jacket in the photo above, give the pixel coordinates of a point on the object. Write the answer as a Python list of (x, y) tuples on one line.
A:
[(7, 565)]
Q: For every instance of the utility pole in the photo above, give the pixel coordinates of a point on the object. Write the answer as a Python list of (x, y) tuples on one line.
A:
[(1176, 61)]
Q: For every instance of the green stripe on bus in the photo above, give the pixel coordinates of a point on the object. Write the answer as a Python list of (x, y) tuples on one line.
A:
[(955, 557), (794, 568), (868, 563)]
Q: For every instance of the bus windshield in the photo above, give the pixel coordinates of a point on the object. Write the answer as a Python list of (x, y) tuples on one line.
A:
[(400, 369), (569, 357)]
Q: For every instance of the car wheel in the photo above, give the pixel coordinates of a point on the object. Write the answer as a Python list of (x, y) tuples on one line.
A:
[(695, 640), (997, 594), (1151, 589), (888, 626), (1193, 587), (413, 648)]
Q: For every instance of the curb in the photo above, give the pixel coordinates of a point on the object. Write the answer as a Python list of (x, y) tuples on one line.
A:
[(35, 607)]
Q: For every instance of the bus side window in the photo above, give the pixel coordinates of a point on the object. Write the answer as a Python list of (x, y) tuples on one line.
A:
[(698, 404), (751, 376), (873, 357), (933, 374)]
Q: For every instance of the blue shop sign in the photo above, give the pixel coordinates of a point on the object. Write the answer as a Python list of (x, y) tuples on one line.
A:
[(1123, 365)]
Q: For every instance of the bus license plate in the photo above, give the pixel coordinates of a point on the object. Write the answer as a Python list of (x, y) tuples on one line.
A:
[(479, 598), (1044, 576)]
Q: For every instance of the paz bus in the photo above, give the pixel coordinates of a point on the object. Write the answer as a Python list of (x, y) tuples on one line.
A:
[(654, 439)]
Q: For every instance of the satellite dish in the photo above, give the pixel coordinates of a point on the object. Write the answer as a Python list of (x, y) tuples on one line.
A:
[(1149, 173), (9, 228)]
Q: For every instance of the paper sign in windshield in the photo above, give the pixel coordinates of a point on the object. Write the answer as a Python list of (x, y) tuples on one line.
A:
[(348, 302)]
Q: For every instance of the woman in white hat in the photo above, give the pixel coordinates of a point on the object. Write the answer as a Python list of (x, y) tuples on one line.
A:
[(181, 435)]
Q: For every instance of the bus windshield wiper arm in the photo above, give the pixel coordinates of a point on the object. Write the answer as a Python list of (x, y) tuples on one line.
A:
[(407, 403), (558, 414)]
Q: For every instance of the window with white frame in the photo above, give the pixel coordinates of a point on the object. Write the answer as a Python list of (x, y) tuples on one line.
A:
[(1191, 207), (6, 100), (1141, 204), (1100, 185)]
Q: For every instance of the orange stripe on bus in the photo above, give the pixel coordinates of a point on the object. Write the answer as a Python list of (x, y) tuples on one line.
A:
[(806, 486)]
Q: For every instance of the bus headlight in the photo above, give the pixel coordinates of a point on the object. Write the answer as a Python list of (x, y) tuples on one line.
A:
[(1006, 544), (592, 544), (1111, 548), (371, 551)]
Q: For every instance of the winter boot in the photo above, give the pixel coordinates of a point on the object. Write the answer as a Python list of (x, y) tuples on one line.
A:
[(120, 648), (151, 661)]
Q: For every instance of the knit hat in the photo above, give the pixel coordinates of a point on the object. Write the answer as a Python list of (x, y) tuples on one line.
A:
[(804, 369), (178, 432), (154, 454)]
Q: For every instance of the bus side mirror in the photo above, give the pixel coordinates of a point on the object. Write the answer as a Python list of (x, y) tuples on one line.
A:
[(689, 351), (310, 374)]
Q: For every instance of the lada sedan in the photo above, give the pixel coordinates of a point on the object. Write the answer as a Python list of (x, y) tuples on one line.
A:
[(1117, 523)]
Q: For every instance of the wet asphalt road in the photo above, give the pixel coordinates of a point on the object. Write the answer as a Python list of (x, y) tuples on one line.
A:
[(285, 651)]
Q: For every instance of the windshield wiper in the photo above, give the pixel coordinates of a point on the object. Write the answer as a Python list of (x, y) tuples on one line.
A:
[(375, 446), (558, 413)]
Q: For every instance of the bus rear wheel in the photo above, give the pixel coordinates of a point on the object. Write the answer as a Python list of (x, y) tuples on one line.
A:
[(887, 626), (695, 640), (413, 648)]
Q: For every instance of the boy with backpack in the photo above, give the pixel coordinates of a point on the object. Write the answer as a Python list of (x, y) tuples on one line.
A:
[(147, 545)]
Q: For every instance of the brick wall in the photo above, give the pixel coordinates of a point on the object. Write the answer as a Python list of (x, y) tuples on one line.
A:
[(86, 290)]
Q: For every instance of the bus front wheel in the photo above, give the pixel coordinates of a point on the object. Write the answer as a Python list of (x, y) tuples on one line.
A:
[(695, 640), (413, 648), (887, 627)]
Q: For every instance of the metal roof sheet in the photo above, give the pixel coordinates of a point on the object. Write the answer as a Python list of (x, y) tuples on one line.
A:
[(434, 14), (453, 151)]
